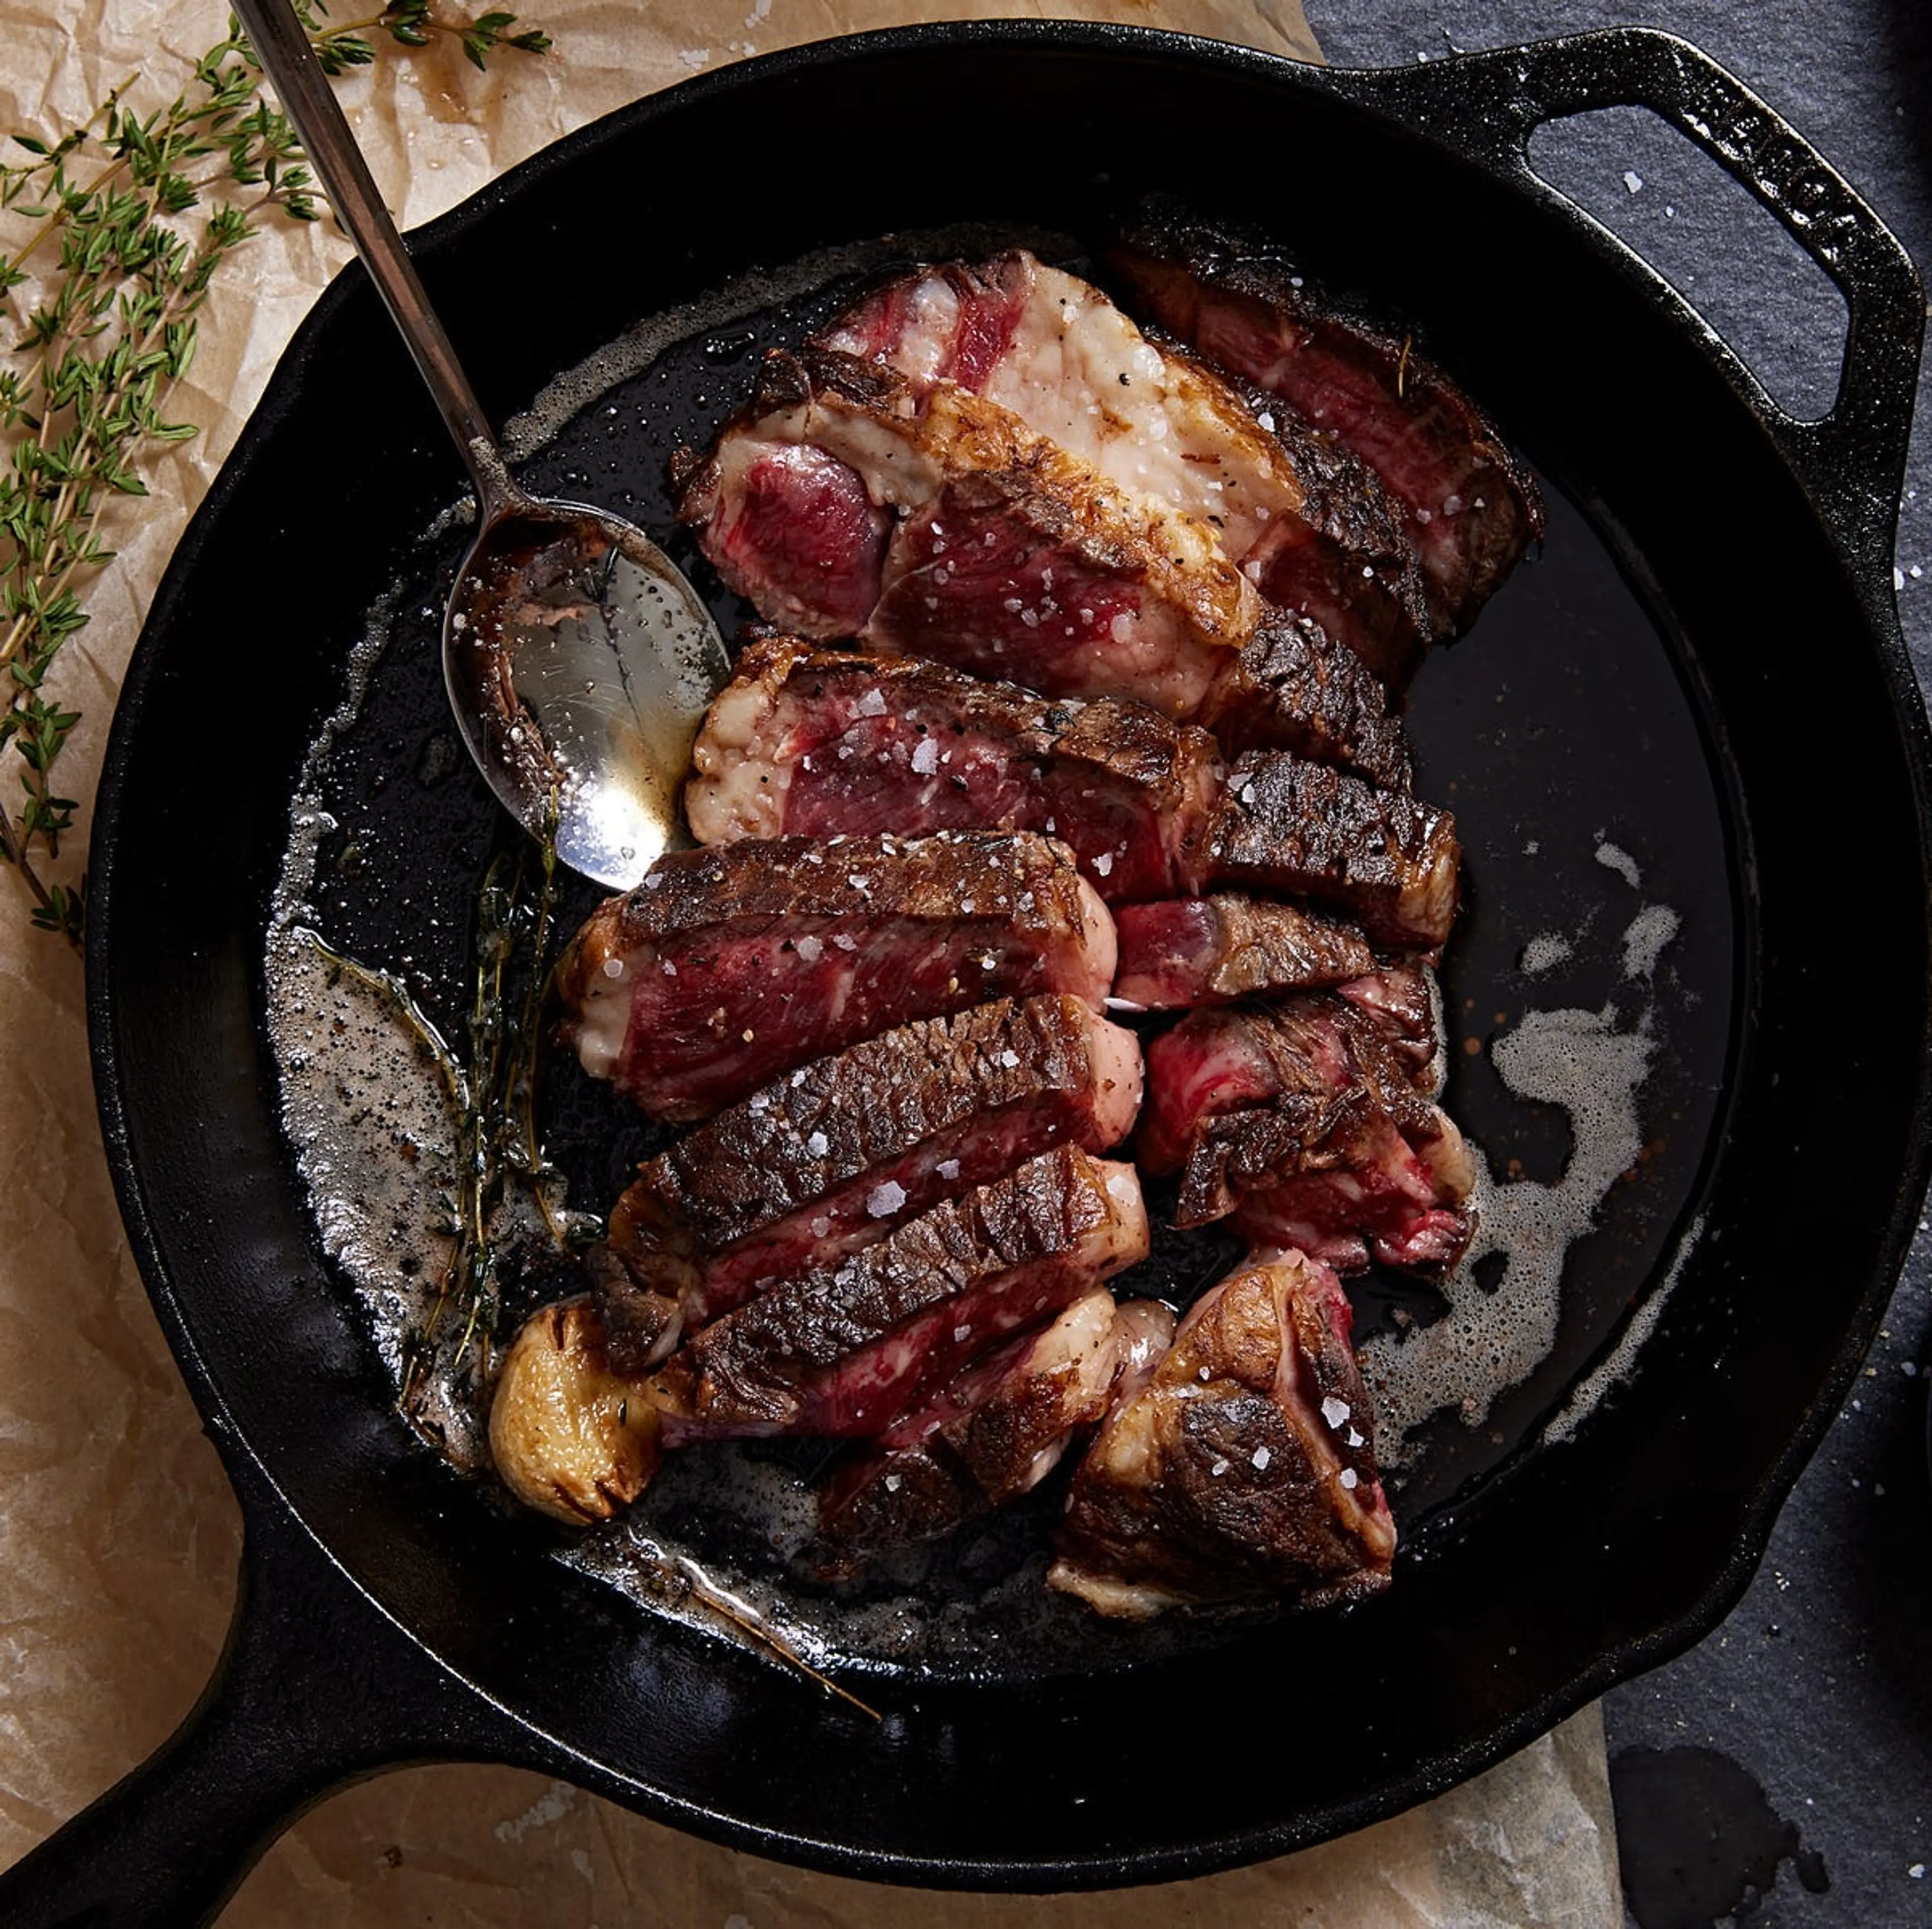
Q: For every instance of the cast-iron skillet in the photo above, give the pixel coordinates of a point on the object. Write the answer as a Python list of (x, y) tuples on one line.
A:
[(388, 1613)]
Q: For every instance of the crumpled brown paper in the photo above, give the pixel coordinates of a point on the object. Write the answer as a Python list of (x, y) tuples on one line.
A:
[(118, 1537)]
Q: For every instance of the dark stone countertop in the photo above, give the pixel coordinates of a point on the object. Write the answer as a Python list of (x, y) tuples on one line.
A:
[(1780, 1772)]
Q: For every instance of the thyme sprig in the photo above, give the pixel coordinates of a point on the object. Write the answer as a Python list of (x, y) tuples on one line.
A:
[(112, 234), (409, 23), (491, 1085)]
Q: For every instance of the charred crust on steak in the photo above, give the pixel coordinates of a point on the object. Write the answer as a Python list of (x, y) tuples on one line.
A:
[(826, 741), (1304, 1118), (1287, 824), (1293, 688), (810, 1169), (1175, 266), (822, 1352), (764, 879), (1224, 1481), (991, 1436), (1214, 950)]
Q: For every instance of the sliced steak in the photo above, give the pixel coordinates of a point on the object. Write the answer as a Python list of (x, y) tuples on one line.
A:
[(1473, 508), (820, 742), (1292, 687), (1401, 1001), (1303, 1120), (728, 966), (1008, 556), (1211, 951), (808, 1169), (994, 1433), (794, 529), (1312, 530), (847, 1351), (1244, 1470), (849, 501), (1350, 565), (1286, 824)]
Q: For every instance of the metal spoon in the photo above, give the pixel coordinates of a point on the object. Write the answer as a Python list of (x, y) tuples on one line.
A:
[(579, 660)]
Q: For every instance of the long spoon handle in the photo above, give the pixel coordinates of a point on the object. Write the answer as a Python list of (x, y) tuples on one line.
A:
[(283, 46)]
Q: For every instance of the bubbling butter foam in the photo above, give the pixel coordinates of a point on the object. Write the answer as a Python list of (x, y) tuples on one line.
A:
[(1591, 1064)]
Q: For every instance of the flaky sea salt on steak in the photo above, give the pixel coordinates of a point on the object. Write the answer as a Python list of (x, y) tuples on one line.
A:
[(993, 1433), (810, 1169), (1314, 532), (846, 1352), (1005, 554), (818, 742), (1286, 824), (727, 966), (1245, 1469)]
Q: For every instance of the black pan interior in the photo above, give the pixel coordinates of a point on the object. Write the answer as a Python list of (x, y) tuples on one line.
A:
[(1691, 606)]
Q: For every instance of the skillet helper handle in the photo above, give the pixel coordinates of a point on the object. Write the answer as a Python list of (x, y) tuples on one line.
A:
[(1852, 459), (315, 1689)]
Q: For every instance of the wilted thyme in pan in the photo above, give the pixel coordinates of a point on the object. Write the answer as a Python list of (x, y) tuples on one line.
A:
[(111, 236), (491, 1091)]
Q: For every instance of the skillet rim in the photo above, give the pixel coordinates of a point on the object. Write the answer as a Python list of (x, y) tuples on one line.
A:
[(1356, 89)]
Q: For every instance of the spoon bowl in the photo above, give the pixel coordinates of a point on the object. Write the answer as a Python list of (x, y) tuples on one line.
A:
[(579, 660)]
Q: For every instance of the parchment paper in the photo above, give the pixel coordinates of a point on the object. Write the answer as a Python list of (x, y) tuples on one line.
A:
[(118, 1537)]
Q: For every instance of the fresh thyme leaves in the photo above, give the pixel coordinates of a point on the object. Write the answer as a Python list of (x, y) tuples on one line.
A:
[(409, 23), (491, 1087), (111, 236)]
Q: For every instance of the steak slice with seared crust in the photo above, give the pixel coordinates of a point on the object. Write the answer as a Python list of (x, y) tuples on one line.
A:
[(818, 742), (1350, 564), (1211, 951), (1402, 1002), (1308, 526), (729, 965), (997, 1431), (946, 527), (1286, 824), (1304, 1120), (1292, 687), (1473, 508), (809, 1169), (1006, 556), (1244, 1470), (845, 1352)]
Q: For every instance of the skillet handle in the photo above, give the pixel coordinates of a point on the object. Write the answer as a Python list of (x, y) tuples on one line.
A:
[(315, 1689), (1852, 459)]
